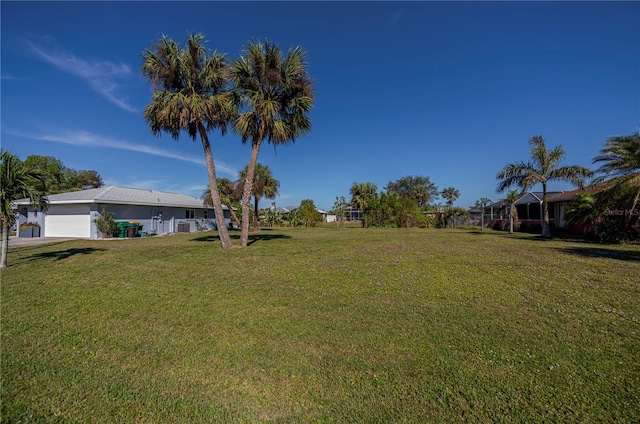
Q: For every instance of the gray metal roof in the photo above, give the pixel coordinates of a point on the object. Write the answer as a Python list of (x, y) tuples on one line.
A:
[(126, 196)]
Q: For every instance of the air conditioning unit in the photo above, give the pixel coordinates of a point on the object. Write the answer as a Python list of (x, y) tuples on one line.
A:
[(184, 227)]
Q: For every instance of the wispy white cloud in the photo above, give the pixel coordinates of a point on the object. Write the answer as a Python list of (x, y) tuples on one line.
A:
[(101, 76), (5, 76), (87, 139)]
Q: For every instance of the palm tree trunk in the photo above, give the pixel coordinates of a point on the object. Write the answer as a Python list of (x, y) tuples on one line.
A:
[(5, 245), (255, 212), (546, 230), (246, 193), (234, 216), (223, 233)]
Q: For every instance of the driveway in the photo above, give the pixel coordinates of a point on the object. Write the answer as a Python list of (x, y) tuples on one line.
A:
[(30, 241)]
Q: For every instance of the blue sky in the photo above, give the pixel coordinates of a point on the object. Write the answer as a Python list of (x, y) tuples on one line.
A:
[(448, 90)]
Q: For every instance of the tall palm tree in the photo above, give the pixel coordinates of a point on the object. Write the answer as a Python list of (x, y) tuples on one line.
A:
[(17, 182), (512, 198), (228, 198), (620, 161), (542, 169), (360, 195), (450, 194), (189, 93), (277, 96), (264, 185)]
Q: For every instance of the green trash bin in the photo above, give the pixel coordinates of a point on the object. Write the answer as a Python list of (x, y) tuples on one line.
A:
[(122, 229)]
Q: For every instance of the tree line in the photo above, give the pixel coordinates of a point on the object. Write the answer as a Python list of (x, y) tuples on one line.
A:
[(404, 203)]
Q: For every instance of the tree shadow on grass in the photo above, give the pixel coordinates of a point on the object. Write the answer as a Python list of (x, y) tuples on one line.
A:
[(64, 254), (602, 252), (515, 234), (252, 237), (528, 236)]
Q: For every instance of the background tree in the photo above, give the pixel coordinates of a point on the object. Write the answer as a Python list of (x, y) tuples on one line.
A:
[(17, 182), (308, 213), (512, 198), (61, 179), (189, 94), (277, 96), (450, 194), (361, 195), (88, 178), (339, 208), (543, 168), (482, 203), (264, 185), (453, 213), (620, 166), (228, 197), (418, 188)]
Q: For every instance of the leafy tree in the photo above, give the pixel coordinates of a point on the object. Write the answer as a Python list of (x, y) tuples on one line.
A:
[(418, 188), (61, 179), (450, 194), (18, 182), (189, 94), (543, 168), (88, 178), (361, 195), (264, 185), (339, 208), (512, 198), (308, 213), (277, 96)]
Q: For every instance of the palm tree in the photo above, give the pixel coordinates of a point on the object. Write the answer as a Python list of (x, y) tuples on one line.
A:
[(263, 185), (620, 161), (18, 182), (451, 194), (542, 169), (277, 96), (189, 93), (512, 198), (228, 197), (361, 194)]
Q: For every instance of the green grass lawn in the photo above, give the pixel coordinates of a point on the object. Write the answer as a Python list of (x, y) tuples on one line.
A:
[(322, 325)]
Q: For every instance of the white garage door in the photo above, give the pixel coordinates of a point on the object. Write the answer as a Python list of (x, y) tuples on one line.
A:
[(67, 221)]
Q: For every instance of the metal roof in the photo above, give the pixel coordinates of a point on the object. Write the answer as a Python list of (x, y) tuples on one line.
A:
[(124, 196)]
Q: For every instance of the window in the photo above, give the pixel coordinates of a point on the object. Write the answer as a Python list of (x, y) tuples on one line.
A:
[(205, 214), (190, 214)]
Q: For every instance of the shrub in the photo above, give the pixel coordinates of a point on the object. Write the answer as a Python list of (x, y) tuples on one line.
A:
[(106, 224), (28, 225)]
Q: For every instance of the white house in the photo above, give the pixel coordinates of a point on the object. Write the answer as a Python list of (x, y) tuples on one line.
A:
[(73, 214)]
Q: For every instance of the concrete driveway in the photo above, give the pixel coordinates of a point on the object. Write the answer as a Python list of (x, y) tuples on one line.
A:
[(31, 241)]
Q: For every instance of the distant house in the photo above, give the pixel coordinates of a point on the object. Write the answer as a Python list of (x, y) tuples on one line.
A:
[(529, 207), (73, 214)]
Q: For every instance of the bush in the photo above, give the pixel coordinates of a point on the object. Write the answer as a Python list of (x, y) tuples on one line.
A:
[(615, 230), (28, 225), (106, 224)]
